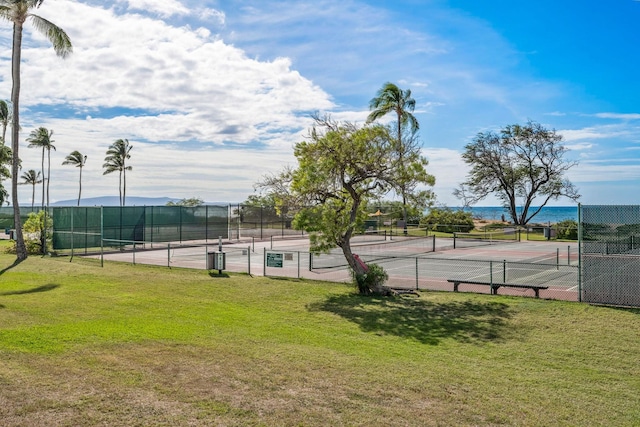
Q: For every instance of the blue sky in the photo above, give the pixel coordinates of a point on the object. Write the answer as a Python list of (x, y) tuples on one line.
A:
[(214, 94)]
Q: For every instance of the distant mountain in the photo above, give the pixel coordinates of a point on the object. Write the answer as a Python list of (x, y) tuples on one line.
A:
[(115, 201), (131, 201)]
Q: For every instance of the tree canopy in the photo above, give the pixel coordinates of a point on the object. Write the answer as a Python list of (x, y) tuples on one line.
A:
[(187, 202), (341, 167), (391, 99), (116, 161), (523, 166)]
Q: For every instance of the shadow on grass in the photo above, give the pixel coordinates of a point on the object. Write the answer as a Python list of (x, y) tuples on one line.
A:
[(218, 276), (425, 321), (43, 288), (14, 264)]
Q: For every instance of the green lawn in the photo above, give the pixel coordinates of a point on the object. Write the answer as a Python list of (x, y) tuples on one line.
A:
[(139, 345)]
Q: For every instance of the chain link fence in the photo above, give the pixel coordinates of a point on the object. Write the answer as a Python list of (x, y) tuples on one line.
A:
[(610, 254)]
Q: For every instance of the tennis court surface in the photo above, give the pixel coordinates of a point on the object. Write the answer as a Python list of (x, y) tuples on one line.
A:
[(425, 263)]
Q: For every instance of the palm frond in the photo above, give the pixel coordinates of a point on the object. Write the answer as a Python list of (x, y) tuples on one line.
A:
[(56, 35)]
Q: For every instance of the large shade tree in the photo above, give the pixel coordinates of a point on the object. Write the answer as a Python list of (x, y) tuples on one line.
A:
[(340, 168), (390, 99), (116, 161), (42, 138), (523, 165), (78, 160), (32, 178), (18, 12)]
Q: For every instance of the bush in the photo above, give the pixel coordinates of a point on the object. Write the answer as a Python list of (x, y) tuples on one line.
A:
[(372, 281), (567, 229), (448, 221), (32, 230)]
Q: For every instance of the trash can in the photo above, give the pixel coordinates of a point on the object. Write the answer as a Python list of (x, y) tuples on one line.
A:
[(216, 260)]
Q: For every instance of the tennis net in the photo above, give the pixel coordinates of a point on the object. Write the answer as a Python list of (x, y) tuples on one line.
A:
[(462, 240)]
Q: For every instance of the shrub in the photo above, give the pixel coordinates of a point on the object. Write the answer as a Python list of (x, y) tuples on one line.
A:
[(567, 229), (371, 282), (32, 229), (448, 221)]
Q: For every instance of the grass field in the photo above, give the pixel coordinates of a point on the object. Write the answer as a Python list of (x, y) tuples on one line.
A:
[(139, 345)]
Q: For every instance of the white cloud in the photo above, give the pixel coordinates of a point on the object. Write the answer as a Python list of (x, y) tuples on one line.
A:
[(591, 133), (618, 116), (213, 95), (164, 8)]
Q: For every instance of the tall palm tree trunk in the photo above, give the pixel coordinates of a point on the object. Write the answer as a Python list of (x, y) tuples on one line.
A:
[(48, 173), (16, 57), (80, 186), (402, 190), (44, 180)]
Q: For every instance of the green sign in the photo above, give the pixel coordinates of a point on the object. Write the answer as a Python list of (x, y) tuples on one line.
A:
[(274, 259)]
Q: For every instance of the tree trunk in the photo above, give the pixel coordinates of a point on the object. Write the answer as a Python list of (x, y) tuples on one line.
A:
[(48, 173), (124, 185), (44, 179), (21, 249), (80, 186)]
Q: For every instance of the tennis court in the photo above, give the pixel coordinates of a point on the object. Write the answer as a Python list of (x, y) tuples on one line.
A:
[(413, 263)]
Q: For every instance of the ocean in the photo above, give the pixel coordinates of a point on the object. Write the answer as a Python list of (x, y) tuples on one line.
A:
[(548, 214)]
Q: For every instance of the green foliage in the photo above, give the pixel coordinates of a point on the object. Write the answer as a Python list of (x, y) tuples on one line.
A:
[(339, 170), (628, 230), (190, 202), (33, 231), (371, 281), (567, 229), (521, 165), (447, 220)]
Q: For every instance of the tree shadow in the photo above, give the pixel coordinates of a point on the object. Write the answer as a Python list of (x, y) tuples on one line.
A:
[(43, 288), (425, 321), (215, 275), (14, 264)]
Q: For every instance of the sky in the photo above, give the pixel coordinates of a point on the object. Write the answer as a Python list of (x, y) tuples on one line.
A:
[(213, 95)]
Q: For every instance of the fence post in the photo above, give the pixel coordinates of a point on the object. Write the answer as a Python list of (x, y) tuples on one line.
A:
[(134, 253), (557, 258), (580, 252), (249, 260), (101, 236), (491, 274), (310, 261), (434, 243), (417, 283), (298, 264), (504, 271), (169, 255), (568, 254), (264, 262)]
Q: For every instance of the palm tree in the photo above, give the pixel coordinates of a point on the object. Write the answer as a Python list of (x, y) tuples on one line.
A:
[(41, 137), (32, 178), (78, 160), (391, 99), (116, 160), (17, 12)]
